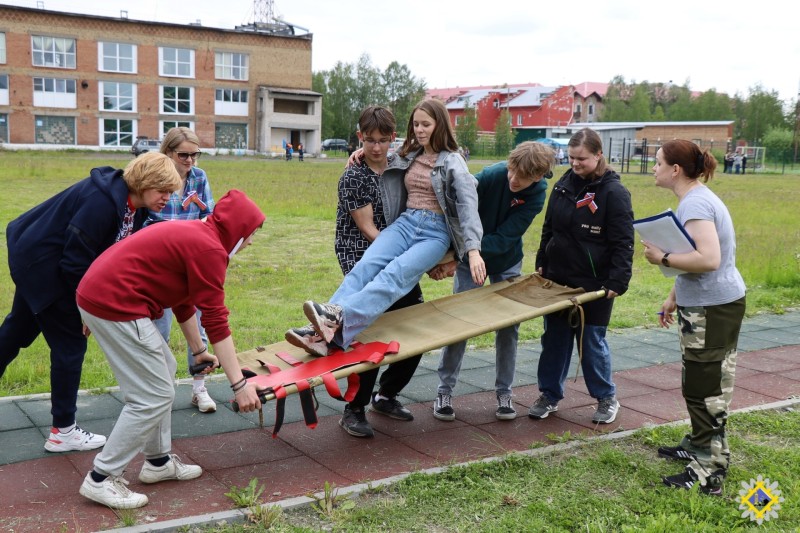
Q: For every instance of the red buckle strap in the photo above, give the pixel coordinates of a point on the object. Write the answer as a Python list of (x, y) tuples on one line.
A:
[(301, 376)]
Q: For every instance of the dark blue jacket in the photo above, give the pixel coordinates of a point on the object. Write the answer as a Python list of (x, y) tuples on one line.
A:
[(51, 246), (505, 216)]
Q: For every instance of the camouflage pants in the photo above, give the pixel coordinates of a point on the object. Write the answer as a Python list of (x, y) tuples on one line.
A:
[(709, 338)]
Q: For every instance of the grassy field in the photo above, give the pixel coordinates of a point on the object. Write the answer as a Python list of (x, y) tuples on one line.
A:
[(292, 258), (594, 486)]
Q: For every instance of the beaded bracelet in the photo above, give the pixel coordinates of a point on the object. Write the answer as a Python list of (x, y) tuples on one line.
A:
[(205, 349)]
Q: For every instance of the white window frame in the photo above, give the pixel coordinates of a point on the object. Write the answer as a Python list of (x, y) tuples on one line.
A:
[(2, 47), (103, 53), (4, 91), (168, 57), (49, 46), (102, 131), (116, 96), (229, 102), (519, 119), (591, 110), (162, 125), (161, 100), (55, 92), (226, 67)]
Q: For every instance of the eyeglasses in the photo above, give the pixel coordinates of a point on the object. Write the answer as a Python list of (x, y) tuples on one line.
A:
[(377, 141), (183, 156)]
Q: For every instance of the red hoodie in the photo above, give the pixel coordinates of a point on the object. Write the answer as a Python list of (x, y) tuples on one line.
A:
[(180, 264)]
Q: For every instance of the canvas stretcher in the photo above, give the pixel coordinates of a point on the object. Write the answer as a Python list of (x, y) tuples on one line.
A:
[(282, 369)]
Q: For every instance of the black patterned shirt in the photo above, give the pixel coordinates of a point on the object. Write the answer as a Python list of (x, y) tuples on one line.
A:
[(358, 187)]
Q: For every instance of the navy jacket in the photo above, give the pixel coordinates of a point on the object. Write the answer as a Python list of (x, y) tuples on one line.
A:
[(51, 246)]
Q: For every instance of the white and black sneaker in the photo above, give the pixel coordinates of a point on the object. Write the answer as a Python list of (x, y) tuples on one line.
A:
[(308, 339), (607, 410), (77, 439), (443, 408), (325, 318), (505, 408)]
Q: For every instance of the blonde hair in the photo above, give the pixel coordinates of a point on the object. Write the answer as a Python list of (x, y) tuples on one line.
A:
[(531, 159), (151, 170), (175, 136)]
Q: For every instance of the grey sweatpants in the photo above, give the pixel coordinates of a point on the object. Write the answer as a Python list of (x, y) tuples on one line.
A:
[(145, 371)]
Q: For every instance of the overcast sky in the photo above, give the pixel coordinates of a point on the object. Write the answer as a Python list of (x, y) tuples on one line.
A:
[(725, 45)]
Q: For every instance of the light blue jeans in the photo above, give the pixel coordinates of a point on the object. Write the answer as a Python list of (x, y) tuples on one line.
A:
[(390, 268), (505, 340), (557, 343), (164, 326)]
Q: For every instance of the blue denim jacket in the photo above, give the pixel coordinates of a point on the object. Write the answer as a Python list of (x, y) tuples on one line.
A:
[(456, 191)]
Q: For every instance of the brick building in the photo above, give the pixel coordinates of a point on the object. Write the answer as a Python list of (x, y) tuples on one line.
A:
[(72, 80)]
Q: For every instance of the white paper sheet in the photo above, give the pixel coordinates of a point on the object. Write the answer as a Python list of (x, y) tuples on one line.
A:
[(665, 231)]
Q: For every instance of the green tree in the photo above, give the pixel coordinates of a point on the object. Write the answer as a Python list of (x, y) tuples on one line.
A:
[(758, 114), (503, 134), (467, 130), (348, 88), (402, 92), (778, 143)]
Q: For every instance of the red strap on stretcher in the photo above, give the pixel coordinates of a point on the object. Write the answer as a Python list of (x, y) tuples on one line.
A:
[(300, 374)]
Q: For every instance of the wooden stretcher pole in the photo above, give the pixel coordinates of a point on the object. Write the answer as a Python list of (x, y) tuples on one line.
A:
[(540, 311)]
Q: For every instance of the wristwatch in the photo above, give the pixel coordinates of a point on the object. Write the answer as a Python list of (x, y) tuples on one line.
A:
[(665, 260)]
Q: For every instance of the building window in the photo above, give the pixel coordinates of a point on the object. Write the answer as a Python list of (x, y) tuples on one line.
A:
[(3, 89), (54, 130), (459, 120), (53, 51), (117, 132), (167, 125), (519, 120), (230, 102), (178, 62), (3, 127), (54, 92), (591, 110), (231, 66), (177, 100), (2, 47), (577, 109), (230, 135), (116, 57), (117, 96)]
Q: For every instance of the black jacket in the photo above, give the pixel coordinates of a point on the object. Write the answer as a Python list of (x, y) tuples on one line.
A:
[(588, 243), (51, 246)]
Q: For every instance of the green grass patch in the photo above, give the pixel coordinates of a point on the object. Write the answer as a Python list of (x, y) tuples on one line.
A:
[(596, 486), (292, 258)]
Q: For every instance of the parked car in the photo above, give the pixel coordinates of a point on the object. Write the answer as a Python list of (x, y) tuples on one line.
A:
[(143, 144), (334, 144), (396, 144)]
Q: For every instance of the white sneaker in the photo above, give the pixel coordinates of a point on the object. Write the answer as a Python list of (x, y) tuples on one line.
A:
[(77, 439), (113, 492), (173, 469), (203, 401)]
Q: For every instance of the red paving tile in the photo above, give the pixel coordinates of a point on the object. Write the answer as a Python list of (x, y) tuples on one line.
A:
[(42, 495)]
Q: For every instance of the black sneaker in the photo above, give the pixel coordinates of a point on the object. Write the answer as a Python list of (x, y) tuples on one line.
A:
[(679, 453), (687, 479), (308, 339), (442, 408), (355, 422), (391, 408), (325, 318), (505, 408)]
